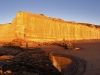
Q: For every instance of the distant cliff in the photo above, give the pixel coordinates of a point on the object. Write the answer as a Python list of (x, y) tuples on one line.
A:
[(37, 27)]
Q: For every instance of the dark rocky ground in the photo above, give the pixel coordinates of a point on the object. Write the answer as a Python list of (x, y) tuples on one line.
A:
[(37, 61), (26, 62), (85, 61)]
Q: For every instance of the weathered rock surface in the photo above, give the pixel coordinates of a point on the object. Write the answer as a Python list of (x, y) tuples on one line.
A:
[(40, 28), (7, 32), (20, 43), (26, 62)]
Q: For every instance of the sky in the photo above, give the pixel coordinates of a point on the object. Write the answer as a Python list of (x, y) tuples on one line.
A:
[(84, 11)]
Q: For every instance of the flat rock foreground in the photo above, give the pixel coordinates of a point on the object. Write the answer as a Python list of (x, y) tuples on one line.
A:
[(52, 59), (89, 51)]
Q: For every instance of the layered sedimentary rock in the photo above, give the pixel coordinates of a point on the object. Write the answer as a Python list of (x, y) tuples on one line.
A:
[(37, 27)]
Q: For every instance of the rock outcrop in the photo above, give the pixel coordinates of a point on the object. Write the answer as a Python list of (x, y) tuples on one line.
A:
[(39, 28), (7, 32)]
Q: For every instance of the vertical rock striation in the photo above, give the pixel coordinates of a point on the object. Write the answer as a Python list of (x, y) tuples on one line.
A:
[(41, 28)]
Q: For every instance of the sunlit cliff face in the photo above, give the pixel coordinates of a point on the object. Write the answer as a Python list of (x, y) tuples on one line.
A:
[(40, 28)]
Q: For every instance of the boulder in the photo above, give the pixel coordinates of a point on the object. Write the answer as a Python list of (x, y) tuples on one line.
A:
[(16, 42), (32, 45)]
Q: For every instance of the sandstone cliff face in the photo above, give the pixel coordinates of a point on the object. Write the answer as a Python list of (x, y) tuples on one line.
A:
[(6, 32), (41, 28)]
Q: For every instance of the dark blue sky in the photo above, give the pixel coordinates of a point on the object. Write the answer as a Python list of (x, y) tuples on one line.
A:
[(87, 11)]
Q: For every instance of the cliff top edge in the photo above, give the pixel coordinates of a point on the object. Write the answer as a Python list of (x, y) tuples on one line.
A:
[(55, 19)]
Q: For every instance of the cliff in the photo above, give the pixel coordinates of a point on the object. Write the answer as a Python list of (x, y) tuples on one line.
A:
[(37, 27), (6, 32)]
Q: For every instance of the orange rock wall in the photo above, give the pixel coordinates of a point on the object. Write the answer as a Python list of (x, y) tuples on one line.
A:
[(6, 32), (41, 28)]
